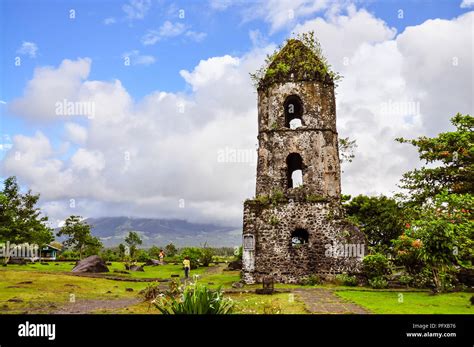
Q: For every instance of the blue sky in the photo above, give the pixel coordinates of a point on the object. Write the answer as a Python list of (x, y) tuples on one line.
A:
[(161, 42)]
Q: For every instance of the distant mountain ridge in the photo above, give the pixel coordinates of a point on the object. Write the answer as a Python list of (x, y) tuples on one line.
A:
[(160, 232)]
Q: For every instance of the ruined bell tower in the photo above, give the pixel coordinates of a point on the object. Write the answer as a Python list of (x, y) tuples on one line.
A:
[(294, 226)]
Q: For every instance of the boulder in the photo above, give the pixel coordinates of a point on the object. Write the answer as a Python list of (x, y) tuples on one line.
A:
[(136, 268), (237, 285), (235, 265), (152, 262), (91, 264)]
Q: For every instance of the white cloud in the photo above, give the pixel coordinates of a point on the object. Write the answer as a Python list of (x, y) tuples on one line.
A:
[(136, 9), (138, 59), (75, 133), (28, 48), (467, 4), (50, 86), (167, 29), (281, 13), (110, 20), (196, 36)]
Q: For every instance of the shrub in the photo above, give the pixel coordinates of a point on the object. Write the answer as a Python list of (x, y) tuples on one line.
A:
[(378, 282), (151, 292), (273, 220), (69, 255), (312, 280), (277, 197), (406, 280), (263, 199), (171, 250), (423, 279), (346, 280), (195, 299), (375, 265), (142, 255), (206, 255)]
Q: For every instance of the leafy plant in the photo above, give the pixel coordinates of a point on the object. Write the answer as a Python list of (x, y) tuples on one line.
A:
[(273, 220), (378, 282), (194, 255), (206, 255), (195, 299), (312, 280), (347, 280), (375, 265)]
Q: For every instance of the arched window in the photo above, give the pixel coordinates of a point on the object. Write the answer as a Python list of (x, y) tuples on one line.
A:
[(294, 171), (299, 237), (293, 112)]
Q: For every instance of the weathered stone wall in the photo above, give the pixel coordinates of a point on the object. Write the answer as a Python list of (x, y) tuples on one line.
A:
[(319, 105), (274, 255), (316, 140)]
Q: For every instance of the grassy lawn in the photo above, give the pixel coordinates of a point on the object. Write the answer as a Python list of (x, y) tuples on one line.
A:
[(52, 285), (410, 303)]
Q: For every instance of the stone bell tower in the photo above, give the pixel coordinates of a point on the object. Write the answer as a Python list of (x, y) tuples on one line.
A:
[(294, 227)]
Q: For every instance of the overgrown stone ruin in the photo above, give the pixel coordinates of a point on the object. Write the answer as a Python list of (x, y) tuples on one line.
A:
[(295, 227)]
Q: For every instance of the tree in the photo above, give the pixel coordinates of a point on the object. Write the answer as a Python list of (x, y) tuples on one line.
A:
[(346, 149), (379, 217), (455, 153), (442, 236), (80, 237), (171, 250), (154, 252), (133, 240), (20, 220), (121, 250)]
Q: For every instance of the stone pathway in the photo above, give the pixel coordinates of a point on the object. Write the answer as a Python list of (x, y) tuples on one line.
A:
[(89, 306), (324, 301)]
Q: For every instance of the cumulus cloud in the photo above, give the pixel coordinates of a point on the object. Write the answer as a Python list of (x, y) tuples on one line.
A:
[(28, 48), (50, 86), (467, 3), (136, 9)]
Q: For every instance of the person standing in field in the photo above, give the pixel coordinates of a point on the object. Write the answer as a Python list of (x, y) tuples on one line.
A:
[(162, 257), (187, 266)]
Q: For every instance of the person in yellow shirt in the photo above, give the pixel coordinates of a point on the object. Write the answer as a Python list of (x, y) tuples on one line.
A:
[(187, 266)]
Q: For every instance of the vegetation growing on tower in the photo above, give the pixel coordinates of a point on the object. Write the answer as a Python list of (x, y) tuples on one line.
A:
[(300, 59)]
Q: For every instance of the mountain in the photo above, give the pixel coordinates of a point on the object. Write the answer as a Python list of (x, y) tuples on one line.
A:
[(160, 232)]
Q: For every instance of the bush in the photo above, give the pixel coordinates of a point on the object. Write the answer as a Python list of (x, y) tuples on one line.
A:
[(378, 282), (151, 292), (312, 280), (406, 280), (375, 265), (171, 250), (141, 255), (69, 255), (206, 256), (346, 280), (195, 299), (423, 279)]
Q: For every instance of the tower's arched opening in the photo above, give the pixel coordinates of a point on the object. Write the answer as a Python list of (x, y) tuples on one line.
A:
[(299, 237), (294, 164), (293, 112)]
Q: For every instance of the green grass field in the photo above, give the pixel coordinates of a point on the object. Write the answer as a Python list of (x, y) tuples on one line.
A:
[(46, 288)]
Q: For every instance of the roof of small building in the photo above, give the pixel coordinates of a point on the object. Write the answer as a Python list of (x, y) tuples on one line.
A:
[(295, 62)]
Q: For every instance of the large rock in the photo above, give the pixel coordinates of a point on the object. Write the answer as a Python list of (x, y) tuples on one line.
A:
[(235, 265), (152, 262), (91, 264)]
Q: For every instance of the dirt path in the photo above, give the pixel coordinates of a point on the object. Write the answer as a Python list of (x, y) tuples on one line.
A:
[(88, 306), (324, 301)]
